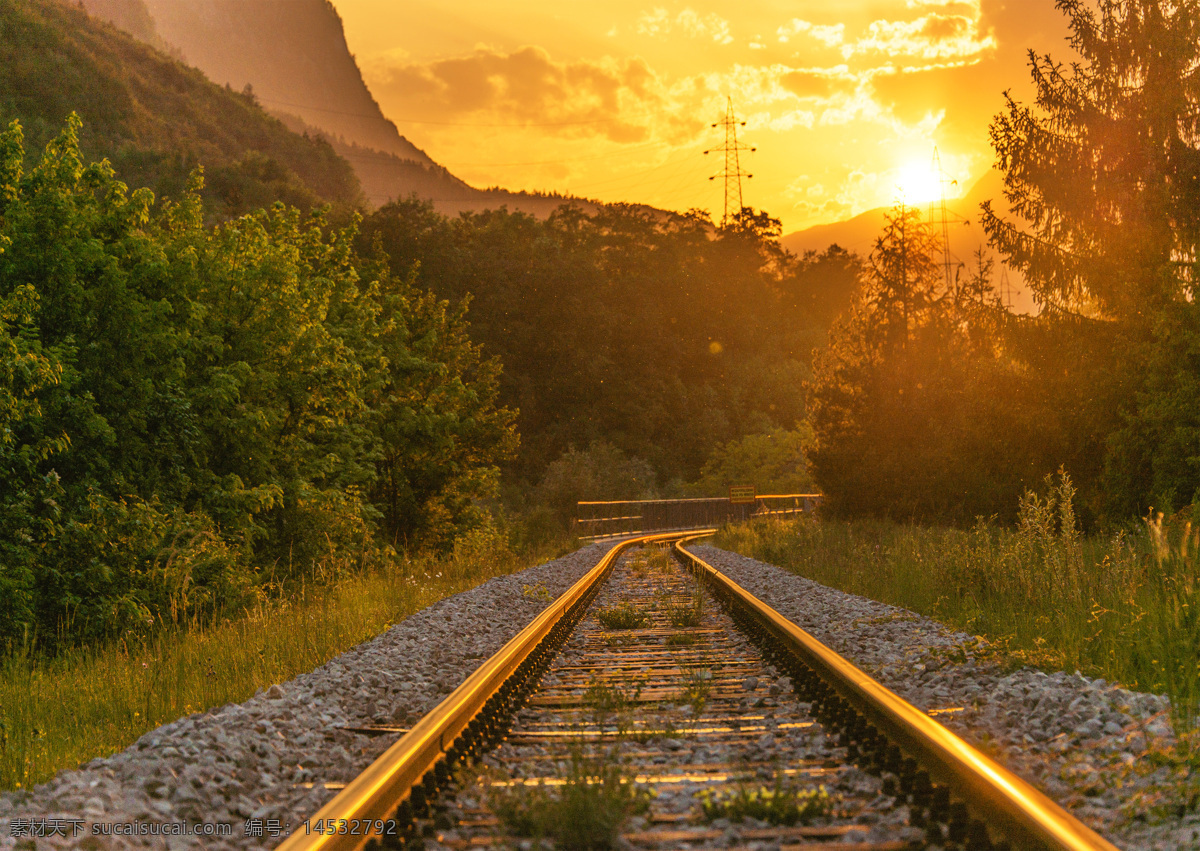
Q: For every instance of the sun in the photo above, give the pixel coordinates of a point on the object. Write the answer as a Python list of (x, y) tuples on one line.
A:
[(916, 183)]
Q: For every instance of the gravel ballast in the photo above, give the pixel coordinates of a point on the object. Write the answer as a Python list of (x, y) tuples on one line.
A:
[(245, 765), (1088, 744)]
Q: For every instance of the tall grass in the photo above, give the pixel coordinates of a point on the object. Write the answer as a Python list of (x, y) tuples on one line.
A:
[(60, 712), (1124, 607)]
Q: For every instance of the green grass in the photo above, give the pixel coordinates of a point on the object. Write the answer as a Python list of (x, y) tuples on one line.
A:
[(59, 713), (606, 699), (1124, 607), (622, 616), (781, 805), (681, 639), (583, 814), (697, 685), (685, 612)]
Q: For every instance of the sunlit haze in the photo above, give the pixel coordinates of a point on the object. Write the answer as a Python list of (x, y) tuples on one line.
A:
[(844, 102)]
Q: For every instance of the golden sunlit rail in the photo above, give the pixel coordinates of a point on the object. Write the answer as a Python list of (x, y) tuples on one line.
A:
[(949, 783), (419, 760), (1008, 805)]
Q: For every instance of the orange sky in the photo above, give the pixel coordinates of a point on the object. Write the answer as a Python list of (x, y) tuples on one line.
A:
[(843, 101)]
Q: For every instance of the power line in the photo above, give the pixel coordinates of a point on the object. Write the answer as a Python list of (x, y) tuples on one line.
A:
[(732, 172), (943, 219)]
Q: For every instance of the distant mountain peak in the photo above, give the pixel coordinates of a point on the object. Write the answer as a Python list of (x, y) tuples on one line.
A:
[(292, 53)]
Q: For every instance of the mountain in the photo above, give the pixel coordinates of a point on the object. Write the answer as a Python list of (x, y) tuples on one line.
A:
[(293, 54), (859, 233), (153, 117), (293, 57)]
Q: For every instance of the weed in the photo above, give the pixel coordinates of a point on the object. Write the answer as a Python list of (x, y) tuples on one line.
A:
[(583, 814), (537, 592), (608, 699), (681, 639), (687, 612), (697, 685), (650, 561), (781, 805), (619, 640), (622, 616)]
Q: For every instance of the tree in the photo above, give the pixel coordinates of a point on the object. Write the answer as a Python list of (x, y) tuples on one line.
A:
[(904, 279), (1102, 175), (1104, 172), (775, 462), (912, 402), (190, 414)]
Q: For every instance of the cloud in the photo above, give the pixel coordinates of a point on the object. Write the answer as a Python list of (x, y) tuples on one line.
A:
[(526, 86), (932, 36), (659, 23), (819, 82), (972, 8), (830, 36)]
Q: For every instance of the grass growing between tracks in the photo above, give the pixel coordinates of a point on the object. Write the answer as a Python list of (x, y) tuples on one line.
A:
[(584, 813), (782, 804), (58, 713), (1124, 607)]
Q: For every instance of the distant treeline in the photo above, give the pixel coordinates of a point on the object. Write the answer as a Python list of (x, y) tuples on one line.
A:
[(645, 339)]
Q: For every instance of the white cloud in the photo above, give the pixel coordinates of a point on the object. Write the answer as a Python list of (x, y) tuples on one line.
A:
[(932, 36), (830, 36), (659, 23)]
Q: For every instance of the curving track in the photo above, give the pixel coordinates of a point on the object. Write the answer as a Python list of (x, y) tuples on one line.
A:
[(761, 700)]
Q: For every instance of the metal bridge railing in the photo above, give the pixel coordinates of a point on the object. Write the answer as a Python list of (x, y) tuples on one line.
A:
[(612, 518)]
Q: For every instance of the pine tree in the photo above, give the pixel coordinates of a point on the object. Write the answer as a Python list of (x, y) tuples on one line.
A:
[(1104, 169), (903, 278)]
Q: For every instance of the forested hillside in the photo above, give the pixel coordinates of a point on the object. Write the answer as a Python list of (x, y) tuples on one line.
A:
[(293, 53), (153, 117), (662, 336)]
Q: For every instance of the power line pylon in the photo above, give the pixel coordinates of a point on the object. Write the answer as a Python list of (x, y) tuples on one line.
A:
[(1005, 290), (732, 172), (943, 219)]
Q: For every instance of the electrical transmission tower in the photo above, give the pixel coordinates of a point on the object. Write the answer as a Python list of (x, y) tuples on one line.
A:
[(943, 220), (732, 172)]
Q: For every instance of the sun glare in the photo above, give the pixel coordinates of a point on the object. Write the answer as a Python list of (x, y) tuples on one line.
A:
[(916, 183)]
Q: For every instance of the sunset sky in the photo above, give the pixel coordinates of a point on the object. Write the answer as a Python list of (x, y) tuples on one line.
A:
[(843, 101)]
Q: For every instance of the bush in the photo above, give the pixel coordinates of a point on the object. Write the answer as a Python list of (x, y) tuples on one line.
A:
[(190, 417), (602, 471)]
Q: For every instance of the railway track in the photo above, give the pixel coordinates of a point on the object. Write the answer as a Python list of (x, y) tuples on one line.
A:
[(658, 700)]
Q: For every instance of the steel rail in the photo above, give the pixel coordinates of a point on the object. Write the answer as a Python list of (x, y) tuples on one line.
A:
[(1011, 807), (387, 782)]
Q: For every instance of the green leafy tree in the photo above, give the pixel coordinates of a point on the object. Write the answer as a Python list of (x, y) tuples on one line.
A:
[(657, 333), (600, 472), (774, 463), (441, 431), (1103, 173), (192, 414)]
